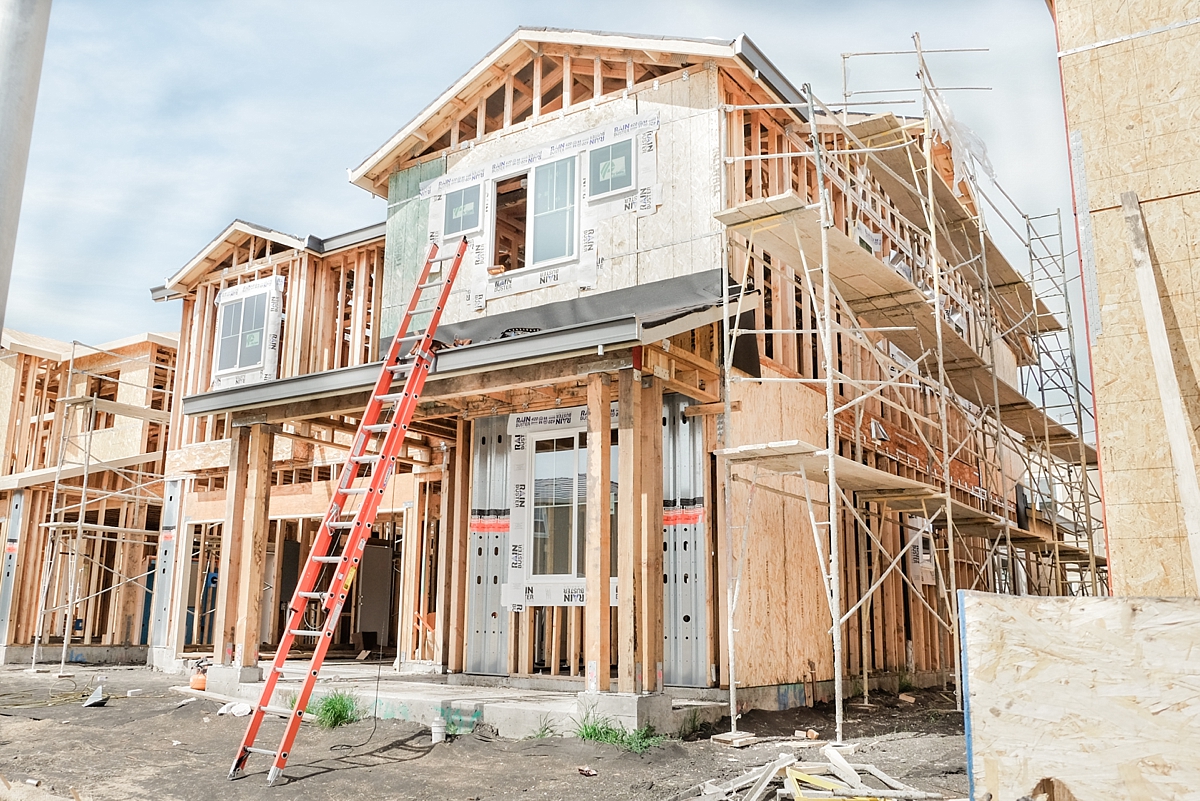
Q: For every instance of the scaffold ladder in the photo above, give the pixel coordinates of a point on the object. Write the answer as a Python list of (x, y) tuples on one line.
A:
[(344, 531)]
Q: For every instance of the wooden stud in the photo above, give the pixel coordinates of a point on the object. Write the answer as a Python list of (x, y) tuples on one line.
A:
[(460, 526), (596, 613), (229, 569), (650, 605), (255, 522), (629, 527)]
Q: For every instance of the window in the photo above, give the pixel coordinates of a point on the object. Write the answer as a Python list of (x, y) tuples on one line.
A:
[(243, 322), (557, 505), (554, 211), (611, 168), (560, 505), (462, 210)]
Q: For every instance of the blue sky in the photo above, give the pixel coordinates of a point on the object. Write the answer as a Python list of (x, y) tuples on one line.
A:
[(160, 122)]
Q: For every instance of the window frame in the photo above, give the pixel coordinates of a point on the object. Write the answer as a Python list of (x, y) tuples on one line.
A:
[(530, 222), (479, 221), (611, 193), (222, 310), (577, 550)]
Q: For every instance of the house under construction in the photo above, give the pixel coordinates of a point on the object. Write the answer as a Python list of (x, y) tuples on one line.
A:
[(775, 341), (85, 437)]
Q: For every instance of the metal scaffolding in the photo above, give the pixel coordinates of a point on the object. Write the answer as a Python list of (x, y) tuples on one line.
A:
[(103, 512), (1022, 440)]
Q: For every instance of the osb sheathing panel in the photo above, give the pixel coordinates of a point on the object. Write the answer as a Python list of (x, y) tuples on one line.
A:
[(1102, 694), (1136, 107), (782, 615), (681, 238)]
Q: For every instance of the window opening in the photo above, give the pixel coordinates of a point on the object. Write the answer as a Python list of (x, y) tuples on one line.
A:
[(511, 214)]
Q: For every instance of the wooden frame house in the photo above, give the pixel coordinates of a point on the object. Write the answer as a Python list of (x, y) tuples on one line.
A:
[(81, 494), (636, 306)]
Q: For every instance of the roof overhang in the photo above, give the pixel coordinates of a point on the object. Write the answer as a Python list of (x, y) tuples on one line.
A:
[(635, 316), (213, 253), (412, 136)]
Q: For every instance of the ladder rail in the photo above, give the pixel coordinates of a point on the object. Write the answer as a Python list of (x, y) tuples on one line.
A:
[(357, 531)]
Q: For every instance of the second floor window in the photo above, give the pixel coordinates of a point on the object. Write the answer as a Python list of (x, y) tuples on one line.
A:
[(243, 324), (554, 211)]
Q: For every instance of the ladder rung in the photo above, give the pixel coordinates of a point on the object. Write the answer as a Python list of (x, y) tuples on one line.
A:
[(356, 490), (315, 595), (398, 368), (251, 749), (306, 633), (376, 428), (329, 560), (277, 710), (342, 524), (440, 259), (431, 284), (365, 459), (391, 397)]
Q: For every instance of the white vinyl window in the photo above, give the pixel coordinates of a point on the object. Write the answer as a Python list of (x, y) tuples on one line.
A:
[(611, 169), (553, 218), (462, 210), (242, 333), (560, 475)]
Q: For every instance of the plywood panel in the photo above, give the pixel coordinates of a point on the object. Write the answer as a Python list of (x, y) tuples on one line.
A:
[(1102, 694)]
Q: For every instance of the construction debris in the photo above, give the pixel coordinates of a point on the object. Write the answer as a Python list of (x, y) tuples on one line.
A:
[(836, 778)]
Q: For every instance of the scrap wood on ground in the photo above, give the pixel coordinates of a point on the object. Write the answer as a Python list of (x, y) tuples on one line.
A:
[(835, 778)]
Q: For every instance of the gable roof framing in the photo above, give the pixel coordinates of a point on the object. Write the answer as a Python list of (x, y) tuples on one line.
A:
[(493, 73)]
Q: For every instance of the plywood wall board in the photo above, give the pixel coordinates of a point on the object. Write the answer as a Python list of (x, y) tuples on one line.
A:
[(1102, 694)]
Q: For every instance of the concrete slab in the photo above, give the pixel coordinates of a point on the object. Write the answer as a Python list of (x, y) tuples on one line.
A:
[(513, 711)]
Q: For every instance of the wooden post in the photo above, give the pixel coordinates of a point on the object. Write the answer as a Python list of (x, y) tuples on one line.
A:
[(255, 520), (228, 569), (629, 529), (445, 551), (650, 605), (461, 511), (596, 613)]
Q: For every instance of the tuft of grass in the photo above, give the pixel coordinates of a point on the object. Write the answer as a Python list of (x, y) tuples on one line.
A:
[(336, 709), (905, 682), (602, 730), (545, 728), (690, 726)]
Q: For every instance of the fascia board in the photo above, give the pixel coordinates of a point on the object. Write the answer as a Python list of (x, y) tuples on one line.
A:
[(191, 271), (556, 344)]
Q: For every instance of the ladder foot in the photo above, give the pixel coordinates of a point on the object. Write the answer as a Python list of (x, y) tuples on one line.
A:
[(273, 774), (237, 766)]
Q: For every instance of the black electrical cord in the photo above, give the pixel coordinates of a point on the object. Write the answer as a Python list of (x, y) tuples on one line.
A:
[(374, 710)]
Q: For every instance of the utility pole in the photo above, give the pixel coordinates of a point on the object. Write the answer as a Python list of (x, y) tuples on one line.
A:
[(23, 25)]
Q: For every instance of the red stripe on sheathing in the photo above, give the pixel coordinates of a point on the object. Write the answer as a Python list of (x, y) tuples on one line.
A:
[(489, 525), (683, 517)]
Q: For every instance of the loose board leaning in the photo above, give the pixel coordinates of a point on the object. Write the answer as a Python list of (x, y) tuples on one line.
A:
[(1102, 694)]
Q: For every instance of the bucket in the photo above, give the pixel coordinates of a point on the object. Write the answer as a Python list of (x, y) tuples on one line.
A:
[(438, 729)]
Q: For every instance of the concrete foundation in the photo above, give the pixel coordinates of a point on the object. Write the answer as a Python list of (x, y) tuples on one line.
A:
[(629, 710), (76, 654), (228, 680)]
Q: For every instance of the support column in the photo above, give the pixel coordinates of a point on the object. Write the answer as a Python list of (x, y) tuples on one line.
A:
[(461, 513), (596, 612), (229, 566), (650, 605), (629, 530), (445, 550), (255, 520)]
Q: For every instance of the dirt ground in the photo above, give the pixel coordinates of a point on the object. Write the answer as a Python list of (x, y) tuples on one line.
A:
[(154, 746)]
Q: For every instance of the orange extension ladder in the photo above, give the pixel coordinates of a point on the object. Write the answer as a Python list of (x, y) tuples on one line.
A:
[(354, 525)]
